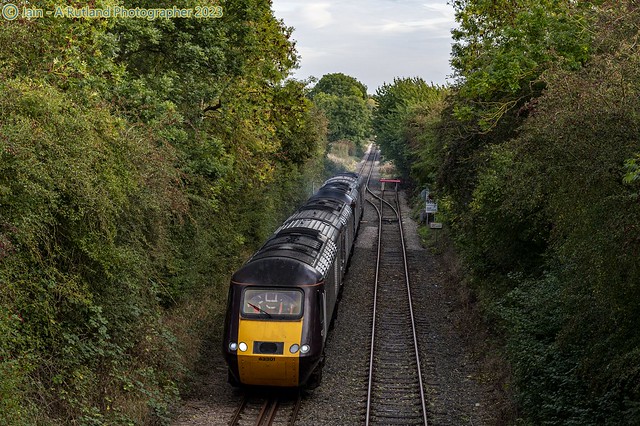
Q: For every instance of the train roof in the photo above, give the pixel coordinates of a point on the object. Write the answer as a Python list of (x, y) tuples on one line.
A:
[(345, 176), (302, 250), (333, 193), (289, 258), (346, 182), (333, 211)]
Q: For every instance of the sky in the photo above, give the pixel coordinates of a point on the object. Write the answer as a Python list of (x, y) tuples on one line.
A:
[(374, 41)]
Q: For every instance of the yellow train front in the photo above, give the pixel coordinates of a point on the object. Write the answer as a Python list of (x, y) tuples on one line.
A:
[(282, 301), (274, 339)]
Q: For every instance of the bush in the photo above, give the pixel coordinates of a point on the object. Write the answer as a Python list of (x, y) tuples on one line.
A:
[(86, 205)]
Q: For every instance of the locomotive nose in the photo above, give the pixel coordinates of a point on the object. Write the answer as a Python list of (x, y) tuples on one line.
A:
[(268, 359)]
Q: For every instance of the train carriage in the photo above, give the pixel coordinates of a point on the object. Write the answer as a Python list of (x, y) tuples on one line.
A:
[(352, 185), (281, 302)]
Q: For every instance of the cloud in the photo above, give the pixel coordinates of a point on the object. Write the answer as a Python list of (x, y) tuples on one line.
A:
[(434, 25), (372, 40), (317, 15), (284, 7), (442, 8), (311, 54), (433, 20)]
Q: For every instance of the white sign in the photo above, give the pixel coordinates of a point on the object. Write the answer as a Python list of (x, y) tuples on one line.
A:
[(431, 207), (435, 225)]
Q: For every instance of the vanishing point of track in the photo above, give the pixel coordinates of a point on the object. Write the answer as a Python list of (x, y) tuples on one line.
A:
[(395, 392)]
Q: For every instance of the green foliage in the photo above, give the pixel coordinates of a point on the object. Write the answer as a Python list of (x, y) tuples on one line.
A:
[(343, 149), (501, 50), (549, 230), (502, 47), (339, 84), (581, 136), (348, 117), (82, 207), (197, 64), (298, 124), (406, 111), (506, 219), (140, 161), (343, 100), (536, 153), (633, 170), (549, 388), (421, 124)]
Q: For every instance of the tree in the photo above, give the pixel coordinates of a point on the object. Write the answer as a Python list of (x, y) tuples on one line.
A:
[(399, 107), (348, 117), (343, 100), (542, 169), (339, 84), (502, 47), (501, 50)]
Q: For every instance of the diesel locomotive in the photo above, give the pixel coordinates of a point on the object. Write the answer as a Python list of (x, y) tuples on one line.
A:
[(282, 301)]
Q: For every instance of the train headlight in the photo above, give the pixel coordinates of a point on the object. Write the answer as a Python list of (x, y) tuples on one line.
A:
[(294, 348), (233, 346), (304, 349), (242, 346)]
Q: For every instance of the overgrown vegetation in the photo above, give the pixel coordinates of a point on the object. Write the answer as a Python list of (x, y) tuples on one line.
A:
[(534, 154), (140, 161), (405, 111), (347, 107)]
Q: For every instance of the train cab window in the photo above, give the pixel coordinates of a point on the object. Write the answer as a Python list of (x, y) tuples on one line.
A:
[(272, 303)]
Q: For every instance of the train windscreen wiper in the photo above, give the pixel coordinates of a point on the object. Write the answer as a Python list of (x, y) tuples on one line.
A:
[(258, 308)]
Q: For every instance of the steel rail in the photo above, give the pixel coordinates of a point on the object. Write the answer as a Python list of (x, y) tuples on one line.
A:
[(413, 320), (236, 415), (398, 214), (375, 295), (268, 412), (373, 325), (296, 408), (364, 163), (269, 409)]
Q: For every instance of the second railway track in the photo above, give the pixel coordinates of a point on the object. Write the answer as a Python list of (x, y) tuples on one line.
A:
[(395, 391)]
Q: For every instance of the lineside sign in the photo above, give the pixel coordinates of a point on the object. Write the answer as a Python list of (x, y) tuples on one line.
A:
[(431, 207)]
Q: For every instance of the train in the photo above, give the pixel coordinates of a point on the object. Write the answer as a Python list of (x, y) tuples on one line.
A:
[(282, 301)]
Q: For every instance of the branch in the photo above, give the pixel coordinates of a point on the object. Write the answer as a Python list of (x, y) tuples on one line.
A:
[(213, 107)]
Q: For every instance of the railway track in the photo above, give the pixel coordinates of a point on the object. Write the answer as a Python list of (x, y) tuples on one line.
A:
[(395, 392), (367, 165), (267, 410)]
